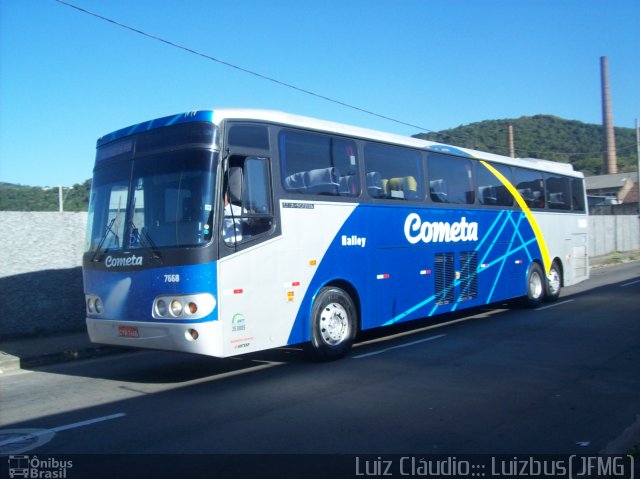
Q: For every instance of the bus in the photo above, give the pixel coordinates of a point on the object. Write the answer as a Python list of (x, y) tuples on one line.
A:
[(223, 232)]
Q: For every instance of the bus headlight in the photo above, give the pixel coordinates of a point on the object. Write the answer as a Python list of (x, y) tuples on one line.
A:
[(94, 304), (161, 308), (188, 306), (176, 308)]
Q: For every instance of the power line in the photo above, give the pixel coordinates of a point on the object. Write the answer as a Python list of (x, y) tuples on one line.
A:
[(294, 87), (242, 69)]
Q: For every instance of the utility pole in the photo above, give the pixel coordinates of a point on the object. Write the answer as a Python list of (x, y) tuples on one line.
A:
[(62, 197), (512, 145), (60, 209)]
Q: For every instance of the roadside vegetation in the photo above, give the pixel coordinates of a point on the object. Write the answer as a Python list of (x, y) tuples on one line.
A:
[(618, 257)]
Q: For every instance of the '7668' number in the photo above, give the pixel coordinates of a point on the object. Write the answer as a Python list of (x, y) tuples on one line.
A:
[(171, 278)]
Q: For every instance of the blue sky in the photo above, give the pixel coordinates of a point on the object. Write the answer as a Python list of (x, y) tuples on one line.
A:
[(67, 78)]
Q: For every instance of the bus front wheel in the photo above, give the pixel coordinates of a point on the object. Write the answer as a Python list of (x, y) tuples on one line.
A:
[(333, 324)]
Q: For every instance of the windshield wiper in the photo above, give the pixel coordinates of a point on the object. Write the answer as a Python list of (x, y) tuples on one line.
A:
[(146, 242), (143, 237), (109, 229)]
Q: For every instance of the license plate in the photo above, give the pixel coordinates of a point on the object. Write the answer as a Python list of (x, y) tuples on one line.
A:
[(128, 332)]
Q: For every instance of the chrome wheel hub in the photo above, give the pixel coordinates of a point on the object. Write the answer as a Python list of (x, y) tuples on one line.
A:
[(553, 281), (334, 324)]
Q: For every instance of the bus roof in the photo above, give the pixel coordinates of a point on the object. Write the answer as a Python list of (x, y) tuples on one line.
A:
[(287, 119), (364, 133)]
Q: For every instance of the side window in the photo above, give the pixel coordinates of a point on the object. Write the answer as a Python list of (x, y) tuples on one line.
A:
[(256, 197), (530, 185), (577, 194), (345, 159), (248, 210), (318, 164), (490, 189), (393, 172), (250, 136), (558, 195), (450, 179)]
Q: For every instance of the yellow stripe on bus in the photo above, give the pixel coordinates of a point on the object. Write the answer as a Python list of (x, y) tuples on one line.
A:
[(546, 260)]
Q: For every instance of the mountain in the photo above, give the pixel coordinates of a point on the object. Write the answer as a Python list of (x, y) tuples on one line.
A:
[(544, 136), (34, 198)]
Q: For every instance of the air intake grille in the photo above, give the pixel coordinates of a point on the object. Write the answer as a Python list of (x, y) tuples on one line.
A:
[(445, 277), (468, 275)]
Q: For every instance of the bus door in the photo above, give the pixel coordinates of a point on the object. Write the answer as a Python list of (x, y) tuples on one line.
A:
[(246, 223)]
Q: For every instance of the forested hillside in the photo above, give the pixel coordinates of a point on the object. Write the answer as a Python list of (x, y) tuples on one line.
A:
[(34, 198), (544, 136)]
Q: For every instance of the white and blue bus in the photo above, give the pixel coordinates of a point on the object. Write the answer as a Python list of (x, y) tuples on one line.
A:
[(230, 231)]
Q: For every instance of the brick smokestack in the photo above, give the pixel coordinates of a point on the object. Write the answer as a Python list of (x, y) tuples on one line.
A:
[(610, 161)]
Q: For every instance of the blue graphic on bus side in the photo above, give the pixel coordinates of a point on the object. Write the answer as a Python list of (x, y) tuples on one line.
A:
[(422, 262)]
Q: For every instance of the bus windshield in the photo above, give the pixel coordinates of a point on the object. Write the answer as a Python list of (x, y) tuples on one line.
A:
[(159, 201)]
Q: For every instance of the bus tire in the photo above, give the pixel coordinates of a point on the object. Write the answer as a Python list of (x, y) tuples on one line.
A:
[(553, 283), (535, 285), (333, 324)]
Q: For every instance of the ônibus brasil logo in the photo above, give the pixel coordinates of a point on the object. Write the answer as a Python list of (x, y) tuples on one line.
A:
[(416, 230), (132, 260)]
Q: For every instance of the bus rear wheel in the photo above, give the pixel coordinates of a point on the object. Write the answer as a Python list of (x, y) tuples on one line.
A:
[(535, 285), (553, 283), (333, 324)]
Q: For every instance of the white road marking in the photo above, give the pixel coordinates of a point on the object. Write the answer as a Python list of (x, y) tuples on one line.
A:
[(405, 345), (66, 427), (554, 305), (88, 422)]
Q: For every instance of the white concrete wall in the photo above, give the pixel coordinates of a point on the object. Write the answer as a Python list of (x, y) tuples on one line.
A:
[(40, 272), (608, 233)]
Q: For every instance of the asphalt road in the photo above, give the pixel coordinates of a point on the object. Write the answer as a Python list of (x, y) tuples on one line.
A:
[(562, 378)]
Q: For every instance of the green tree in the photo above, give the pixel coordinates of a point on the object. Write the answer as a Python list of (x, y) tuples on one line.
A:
[(543, 136)]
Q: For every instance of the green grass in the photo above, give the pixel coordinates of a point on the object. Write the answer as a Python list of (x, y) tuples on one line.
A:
[(618, 257)]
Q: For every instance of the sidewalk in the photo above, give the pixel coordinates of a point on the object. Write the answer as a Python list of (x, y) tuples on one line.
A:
[(36, 351), (31, 352)]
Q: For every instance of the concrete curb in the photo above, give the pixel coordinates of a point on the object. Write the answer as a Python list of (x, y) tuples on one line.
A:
[(8, 362), (11, 363), (68, 356)]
